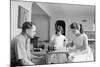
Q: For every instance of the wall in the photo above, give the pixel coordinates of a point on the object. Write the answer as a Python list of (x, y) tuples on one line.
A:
[(87, 26), (42, 24), (14, 16), (72, 13), (53, 18), (41, 20)]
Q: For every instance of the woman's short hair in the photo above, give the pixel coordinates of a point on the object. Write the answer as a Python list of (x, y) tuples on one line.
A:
[(59, 28)]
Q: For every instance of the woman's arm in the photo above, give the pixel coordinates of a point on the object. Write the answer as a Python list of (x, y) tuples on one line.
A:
[(52, 41), (37, 57), (65, 41), (42, 53), (85, 44), (72, 49)]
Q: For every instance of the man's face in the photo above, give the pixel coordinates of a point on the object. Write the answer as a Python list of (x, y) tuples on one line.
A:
[(31, 32)]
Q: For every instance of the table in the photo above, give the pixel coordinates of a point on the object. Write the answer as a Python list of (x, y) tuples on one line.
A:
[(55, 52)]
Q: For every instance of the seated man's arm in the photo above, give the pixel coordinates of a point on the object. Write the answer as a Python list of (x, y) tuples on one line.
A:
[(42, 53), (36, 57), (21, 53)]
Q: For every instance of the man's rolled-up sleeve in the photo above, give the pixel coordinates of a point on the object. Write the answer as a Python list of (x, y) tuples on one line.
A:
[(20, 50)]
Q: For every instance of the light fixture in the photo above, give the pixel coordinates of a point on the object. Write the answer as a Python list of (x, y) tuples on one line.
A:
[(84, 20)]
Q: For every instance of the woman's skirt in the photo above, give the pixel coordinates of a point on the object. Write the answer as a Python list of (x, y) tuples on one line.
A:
[(79, 57)]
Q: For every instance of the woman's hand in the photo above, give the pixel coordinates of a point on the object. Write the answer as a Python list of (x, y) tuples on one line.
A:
[(70, 44), (84, 51), (71, 49), (42, 53)]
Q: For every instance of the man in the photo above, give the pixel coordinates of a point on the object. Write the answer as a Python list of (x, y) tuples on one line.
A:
[(20, 54)]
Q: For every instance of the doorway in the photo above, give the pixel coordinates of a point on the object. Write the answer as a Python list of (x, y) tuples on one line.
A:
[(60, 23)]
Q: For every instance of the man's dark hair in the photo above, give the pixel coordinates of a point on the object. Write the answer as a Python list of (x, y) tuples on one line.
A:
[(26, 25)]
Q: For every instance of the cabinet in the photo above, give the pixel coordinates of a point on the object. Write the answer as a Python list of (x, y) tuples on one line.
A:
[(34, 42)]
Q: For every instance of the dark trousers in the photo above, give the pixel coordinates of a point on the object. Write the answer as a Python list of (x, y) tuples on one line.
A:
[(15, 63)]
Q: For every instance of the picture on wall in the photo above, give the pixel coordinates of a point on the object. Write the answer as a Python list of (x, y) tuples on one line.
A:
[(23, 15)]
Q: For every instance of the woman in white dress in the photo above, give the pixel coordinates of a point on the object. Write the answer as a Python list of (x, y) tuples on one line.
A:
[(80, 50), (59, 42)]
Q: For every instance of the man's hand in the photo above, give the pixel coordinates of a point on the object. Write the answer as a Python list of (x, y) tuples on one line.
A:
[(42, 53), (26, 62), (36, 57)]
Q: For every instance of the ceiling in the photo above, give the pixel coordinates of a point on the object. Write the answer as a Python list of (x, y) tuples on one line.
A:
[(54, 9)]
